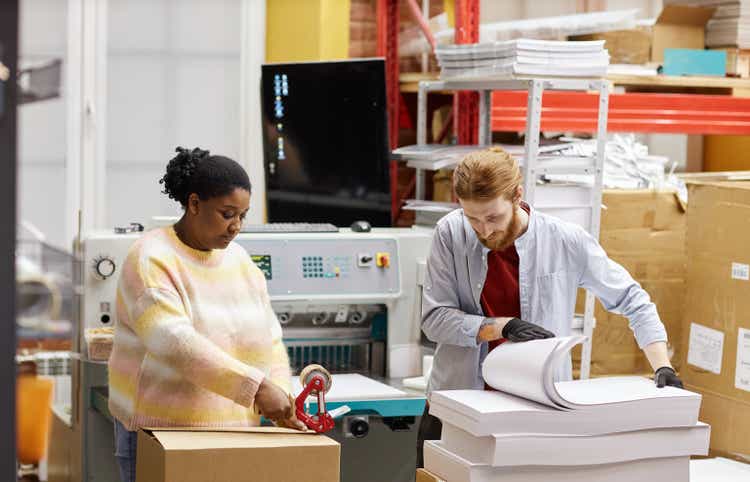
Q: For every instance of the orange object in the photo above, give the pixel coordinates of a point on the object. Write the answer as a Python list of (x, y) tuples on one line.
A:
[(33, 416), (383, 260)]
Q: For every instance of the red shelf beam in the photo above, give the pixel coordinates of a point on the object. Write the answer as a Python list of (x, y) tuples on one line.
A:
[(631, 112)]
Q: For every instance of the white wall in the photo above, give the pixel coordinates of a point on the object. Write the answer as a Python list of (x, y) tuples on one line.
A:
[(173, 79), (41, 125)]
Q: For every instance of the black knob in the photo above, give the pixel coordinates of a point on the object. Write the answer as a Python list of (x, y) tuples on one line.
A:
[(359, 428)]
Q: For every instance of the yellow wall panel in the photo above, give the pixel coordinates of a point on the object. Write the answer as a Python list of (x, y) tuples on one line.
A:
[(300, 30)]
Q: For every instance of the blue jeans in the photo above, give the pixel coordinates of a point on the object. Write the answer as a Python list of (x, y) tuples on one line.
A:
[(125, 450)]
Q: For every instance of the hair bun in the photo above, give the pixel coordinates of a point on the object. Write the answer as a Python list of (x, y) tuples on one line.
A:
[(179, 171), (189, 159)]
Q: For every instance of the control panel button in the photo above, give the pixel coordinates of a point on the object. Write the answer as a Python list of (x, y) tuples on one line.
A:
[(104, 267), (364, 260), (383, 260)]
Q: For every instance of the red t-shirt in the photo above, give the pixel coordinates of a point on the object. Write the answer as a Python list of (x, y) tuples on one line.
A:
[(500, 295)]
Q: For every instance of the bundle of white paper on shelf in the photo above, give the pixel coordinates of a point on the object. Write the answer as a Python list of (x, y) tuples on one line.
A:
[(730, 25), (523, 57), (536, 429), (444, 156), (627, 165)]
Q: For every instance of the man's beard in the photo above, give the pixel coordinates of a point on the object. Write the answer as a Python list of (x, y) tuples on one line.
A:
[(501, 240)]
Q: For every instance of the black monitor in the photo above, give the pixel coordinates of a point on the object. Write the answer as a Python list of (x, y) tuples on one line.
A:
[(325, 142)]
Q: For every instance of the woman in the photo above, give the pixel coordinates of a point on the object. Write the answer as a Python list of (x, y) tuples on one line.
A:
[(196, 342)]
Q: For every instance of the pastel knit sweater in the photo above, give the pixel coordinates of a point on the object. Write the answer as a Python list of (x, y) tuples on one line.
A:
[(195, 336)]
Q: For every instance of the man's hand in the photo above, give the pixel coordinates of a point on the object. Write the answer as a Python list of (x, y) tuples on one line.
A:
[(666, 376), (518, 330), (513, 329), (492, 331)]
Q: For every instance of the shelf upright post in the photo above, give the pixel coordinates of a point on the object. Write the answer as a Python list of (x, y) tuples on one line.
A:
[(596, 201), (419, 186), (531, 142), (485, 118)]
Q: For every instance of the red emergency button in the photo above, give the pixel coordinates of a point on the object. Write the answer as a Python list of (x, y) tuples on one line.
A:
[(383, 260)]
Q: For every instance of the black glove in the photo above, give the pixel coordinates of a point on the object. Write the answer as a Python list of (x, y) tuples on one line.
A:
[(519, 330), (666, 376)]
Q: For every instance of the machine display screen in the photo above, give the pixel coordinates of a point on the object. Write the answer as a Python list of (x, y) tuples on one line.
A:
[(263, 262), (325, 142)]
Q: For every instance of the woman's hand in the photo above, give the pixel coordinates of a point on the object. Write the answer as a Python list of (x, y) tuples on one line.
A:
[(276, 405)]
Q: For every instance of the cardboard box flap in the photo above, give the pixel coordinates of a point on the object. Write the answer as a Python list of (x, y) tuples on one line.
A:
[(229, 429), (683, 15), (724, 184), (212, 438)]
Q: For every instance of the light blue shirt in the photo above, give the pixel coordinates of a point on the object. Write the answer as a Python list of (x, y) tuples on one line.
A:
[(555, 259)]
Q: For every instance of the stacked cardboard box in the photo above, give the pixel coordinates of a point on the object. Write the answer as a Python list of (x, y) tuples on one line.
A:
[(677, 26), (730, 25), (716, 332), (644, 230)]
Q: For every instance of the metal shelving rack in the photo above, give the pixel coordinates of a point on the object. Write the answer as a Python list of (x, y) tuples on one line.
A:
[(531, 169)]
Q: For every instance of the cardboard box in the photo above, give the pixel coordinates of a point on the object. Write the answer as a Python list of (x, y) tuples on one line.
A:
[(716, 325), (624, 46), (679, 26), (263, 454), (738, 61), (644, 231), (726, 153), (730, 424), (425, 476)]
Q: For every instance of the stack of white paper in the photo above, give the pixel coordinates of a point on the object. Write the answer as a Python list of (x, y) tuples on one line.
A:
[(443, 156), (536, 429), (730, 24), (523, 57)]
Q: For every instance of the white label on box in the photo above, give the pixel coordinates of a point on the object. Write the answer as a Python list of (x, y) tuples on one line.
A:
[(742, 370), (706, 348), (741, 271)]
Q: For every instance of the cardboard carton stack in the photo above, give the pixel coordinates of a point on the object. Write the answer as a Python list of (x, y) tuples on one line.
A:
[(730, 24), (716, 331)]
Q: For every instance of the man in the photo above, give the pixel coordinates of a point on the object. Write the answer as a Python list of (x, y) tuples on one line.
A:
[(499, 270)]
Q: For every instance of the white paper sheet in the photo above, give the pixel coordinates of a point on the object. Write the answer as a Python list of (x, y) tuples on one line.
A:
[(519, 368), (600, 391)]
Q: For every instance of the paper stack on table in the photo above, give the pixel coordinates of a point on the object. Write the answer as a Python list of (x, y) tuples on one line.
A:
[(535, 429)]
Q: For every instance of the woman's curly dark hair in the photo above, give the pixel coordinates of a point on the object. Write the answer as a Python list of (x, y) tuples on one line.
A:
[(196, 171)]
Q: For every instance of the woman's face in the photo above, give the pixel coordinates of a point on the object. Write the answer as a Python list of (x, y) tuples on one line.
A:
[(215, 222)]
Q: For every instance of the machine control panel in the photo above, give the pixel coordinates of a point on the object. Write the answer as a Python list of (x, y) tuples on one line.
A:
[(296, 266), (320, 266)]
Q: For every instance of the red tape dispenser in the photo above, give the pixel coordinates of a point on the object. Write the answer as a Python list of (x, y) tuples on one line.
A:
[(316, 382)]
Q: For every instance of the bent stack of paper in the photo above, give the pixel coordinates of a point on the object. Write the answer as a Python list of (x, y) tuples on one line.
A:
[(535, 429)]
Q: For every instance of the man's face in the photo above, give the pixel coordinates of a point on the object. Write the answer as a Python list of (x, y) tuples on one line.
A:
[(495, 221)]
